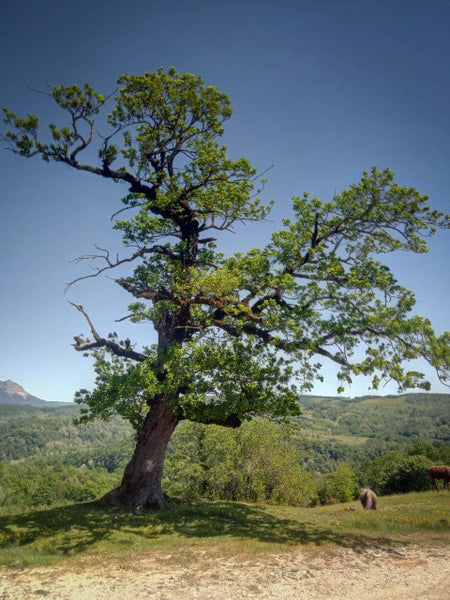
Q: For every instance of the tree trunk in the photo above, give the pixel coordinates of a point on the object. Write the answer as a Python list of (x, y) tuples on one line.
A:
[(141, 483)]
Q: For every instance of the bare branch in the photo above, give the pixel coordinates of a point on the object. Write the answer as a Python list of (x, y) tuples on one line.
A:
[(111, 264), (258, 175), (121, 210), (124, 351), (125, 318), (84, 143), (335, 358), (28, 87)]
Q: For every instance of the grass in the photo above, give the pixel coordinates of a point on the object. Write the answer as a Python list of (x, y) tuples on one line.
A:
[(348, 440), (85, 530)]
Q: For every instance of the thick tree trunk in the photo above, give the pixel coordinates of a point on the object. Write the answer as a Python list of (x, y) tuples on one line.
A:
[(141, 483)]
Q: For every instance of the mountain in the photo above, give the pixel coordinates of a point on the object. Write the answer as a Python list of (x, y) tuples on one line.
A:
[(12, 393), (353, 430)]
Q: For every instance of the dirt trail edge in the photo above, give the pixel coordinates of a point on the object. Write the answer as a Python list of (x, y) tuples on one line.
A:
[(342, 574)]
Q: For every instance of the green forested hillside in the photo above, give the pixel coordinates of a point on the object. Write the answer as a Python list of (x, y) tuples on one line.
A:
[(335, 446), (394, 419), (28, 431), (46, 459), (358, 427)]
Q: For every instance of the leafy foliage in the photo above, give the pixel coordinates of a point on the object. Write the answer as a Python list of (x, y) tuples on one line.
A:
[(214, 378), (340, 485), (29, 485), (28, 432), (397, 420), (394, 472), (257, 463)]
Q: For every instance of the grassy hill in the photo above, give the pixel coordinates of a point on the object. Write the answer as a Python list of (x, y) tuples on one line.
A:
[(86, 530)]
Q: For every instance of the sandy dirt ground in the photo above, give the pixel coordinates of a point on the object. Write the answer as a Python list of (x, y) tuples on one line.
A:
[(409, 573)]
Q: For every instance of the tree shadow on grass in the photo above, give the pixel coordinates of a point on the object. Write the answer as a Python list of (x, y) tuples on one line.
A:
[(71, 530)]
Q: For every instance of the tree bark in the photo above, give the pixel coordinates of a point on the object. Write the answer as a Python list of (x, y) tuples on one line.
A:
[(141, 483)]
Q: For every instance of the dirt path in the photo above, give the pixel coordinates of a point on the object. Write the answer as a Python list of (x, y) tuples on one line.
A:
[(342, 574)]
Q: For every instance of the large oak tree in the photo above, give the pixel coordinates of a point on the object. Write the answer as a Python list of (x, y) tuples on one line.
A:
[(239, 335)]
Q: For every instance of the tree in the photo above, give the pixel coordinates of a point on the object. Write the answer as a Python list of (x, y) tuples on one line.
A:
[(259, 462), (421, 448), (236, 335), (395, 472)]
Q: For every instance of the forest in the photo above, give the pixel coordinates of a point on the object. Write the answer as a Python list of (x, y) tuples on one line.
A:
[(323, 456)]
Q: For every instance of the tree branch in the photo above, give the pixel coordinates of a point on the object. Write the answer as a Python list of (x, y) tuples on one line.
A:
[(147, 294), (124, 351), (157, 249), (276, 296), (232, 421)]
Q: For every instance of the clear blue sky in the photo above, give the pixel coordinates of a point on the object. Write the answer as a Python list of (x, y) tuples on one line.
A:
[(321, 89)]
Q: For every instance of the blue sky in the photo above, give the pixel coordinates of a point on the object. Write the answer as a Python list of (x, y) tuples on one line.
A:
[(320, 89)]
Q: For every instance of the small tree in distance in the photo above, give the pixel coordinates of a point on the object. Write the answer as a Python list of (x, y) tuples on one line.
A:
[(239, 335)]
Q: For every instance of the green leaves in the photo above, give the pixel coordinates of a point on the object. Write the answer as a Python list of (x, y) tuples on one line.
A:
[(79, 101), (343, 296), (259, 462), (122, 387), (23, 137), (394, 473), (209, 379), (318, 290), (171, 102), (241, 377), (81, 104)]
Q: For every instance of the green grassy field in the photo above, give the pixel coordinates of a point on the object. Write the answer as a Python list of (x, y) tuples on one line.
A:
[(85, 530)]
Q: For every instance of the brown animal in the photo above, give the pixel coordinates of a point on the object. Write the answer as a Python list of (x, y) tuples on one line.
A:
[(435, 473), (368, 499)]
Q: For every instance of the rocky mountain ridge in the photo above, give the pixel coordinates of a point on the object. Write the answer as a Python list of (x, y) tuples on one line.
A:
[(13, 393)]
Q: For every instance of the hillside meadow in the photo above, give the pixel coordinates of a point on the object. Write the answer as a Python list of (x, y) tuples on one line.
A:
[(80, 531)]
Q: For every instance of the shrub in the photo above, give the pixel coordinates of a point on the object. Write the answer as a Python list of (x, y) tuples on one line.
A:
[(340, 485), (395, 472)]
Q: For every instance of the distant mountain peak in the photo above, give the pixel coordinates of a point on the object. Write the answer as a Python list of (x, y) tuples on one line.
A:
[(13, 393), (13, 388)]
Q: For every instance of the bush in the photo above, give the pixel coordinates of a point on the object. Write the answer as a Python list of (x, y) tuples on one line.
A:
[(423, 449), (340, 485), (26, 486), (395, 472)]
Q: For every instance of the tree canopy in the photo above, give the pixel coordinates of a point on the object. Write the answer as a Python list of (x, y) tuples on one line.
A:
[(238, 335)]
